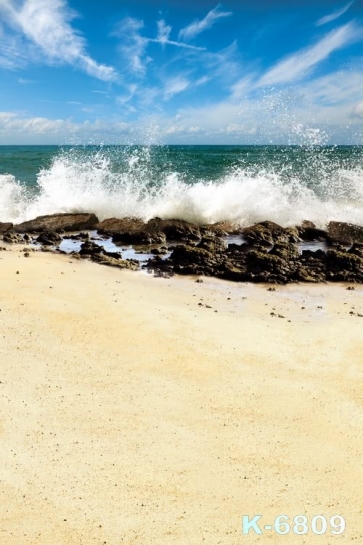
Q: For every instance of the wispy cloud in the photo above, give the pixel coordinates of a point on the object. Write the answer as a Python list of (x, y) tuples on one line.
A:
[(175, 85), (46, 24), (335, 15), (162, 38), (199, 26), (133, 45), (300, 64)]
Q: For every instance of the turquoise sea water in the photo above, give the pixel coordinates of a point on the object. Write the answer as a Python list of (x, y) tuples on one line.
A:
[(244, 184)]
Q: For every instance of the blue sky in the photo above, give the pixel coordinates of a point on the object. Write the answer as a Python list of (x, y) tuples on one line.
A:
[(184, 72)]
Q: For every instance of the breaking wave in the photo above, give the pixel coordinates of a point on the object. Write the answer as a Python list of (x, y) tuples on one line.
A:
[(134, 182)]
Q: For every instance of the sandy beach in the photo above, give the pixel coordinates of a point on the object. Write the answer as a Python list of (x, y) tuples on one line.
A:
[(159, 411)]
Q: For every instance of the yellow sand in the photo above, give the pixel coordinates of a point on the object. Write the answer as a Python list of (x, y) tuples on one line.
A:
[(131, 415)]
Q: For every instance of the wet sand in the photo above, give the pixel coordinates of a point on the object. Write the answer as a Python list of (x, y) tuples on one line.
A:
[(131, 412)]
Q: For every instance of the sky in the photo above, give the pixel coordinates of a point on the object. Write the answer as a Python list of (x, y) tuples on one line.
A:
[(181, 71)]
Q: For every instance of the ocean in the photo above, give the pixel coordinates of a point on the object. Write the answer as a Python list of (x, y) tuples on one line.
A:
[(202, 184)]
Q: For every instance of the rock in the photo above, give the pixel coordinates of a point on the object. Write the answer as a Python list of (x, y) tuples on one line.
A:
[(89, 248), (212, 244), (174, 229), (344, 233), (12, 238), (287, 251), (222, 228), (130, 231), (344, 267), (268, 233), (112, 226), (308, 231), (356, 249), (79, 236), (58, 223), (48, 238), (103, 259), (5, 227), (139, 238)]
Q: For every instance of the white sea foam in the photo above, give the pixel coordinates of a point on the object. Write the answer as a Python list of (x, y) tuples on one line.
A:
[(92, 184)]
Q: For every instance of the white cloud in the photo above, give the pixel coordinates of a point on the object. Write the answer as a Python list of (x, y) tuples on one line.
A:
[(357, 110), (163, 31), (175, 85), (299, 64), (134, 45), (15, 125), (197, 27), (163, 35), (46, 24), (333, 16)]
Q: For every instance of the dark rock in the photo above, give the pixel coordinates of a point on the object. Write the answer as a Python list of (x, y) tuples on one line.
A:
[(103, 259), (48, 238), (89, 248), (309, 232), (174, 229), (12, 238), (268, 233), (356, 249), (58, 223), (344, 233), (5, 227), (79, 236), (112, 226), (287, 251), (139, 238), (212, 244)]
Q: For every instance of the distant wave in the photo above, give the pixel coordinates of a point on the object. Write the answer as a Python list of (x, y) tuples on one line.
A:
[(91, 183)]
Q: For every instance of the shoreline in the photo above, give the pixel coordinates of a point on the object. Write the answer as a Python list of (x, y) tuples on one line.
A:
[(264, 252), (130, 413)]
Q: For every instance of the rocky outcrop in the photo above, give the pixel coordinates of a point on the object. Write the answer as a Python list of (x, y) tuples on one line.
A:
[(12, 238), (112, 226), (130, 231), (344, 233), (5, 227), (309, 232), (97, 253), (58, 223), (269, 233)]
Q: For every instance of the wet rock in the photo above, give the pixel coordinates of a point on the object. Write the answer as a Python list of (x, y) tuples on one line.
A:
[(79, 236), (130, 231), (356, 249), (90, 248), (174, 229), (344, 267), (103, 259), (139, 238), (49, 238), (5, 227), (287, 251), (58, 222), (309, 232), (268, 233), (344, 233), (12, 238), (212, 244), (159, 251), (112, 226)]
